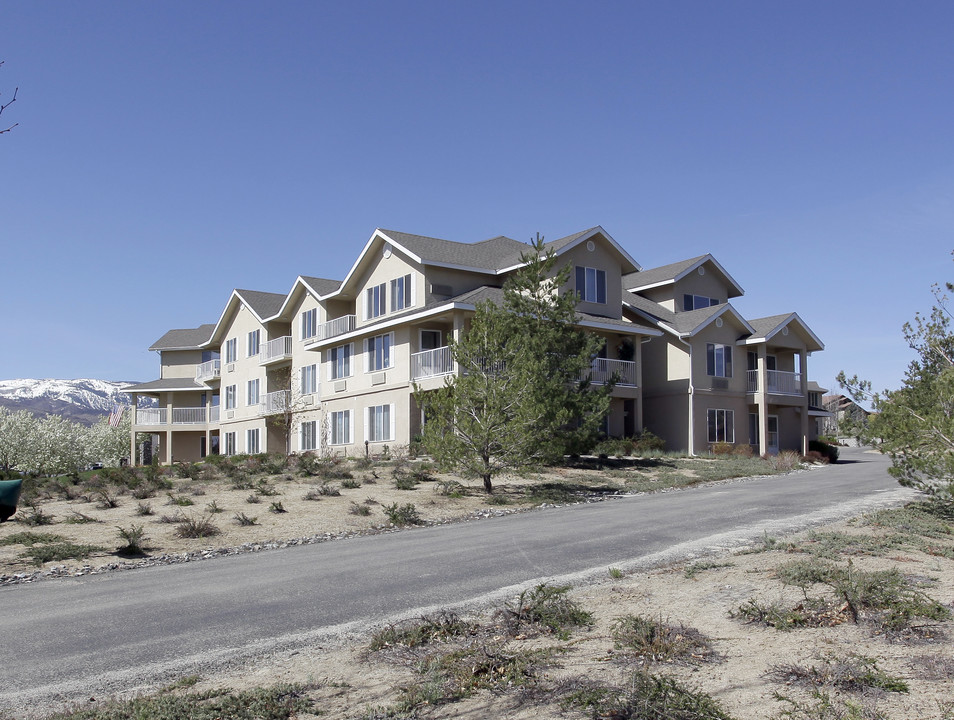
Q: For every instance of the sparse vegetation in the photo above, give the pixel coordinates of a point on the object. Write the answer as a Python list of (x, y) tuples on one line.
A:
[(658, 641), (196, 527), (402, 515), (133, 539)]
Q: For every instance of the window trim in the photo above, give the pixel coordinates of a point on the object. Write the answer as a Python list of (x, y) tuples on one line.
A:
[(348, 427), (387, 422), (308, 325), (376, 301), (231, 350), (256, 382), (401, 292), (585, 284), (309, 430), (715, 352), (333, 361), (229, 444), (728, 425), (231, 396), (249, 434), (257, 334), (310, 373), (387, 353), (695, 302)]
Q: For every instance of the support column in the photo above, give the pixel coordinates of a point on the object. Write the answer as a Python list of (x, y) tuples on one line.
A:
[(132, 429), (761, 399), (639, 383), (803, 371)]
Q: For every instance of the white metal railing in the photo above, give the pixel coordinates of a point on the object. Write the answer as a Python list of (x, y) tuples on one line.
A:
[(188, 416), (602, 370), (277, 349), (151, 416), (275, 402), (432, 363), (214, 414), (778, 382), (208, 370), (338, 326)]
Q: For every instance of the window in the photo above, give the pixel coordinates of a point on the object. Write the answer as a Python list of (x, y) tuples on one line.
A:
[(718, 360), (721, 426), (430, 339), (309, 379), (230, 397), (231, 350), (341, 427), (252, 393), (379, 352), (251, 442), (400, 293), (376, 303), (309, 323), (591, 285), (695, 302), (341, 361), (379, 428), (254, 340), (309, 436), (230, 443)]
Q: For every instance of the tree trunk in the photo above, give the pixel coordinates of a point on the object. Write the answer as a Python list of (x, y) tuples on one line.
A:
[(488, 484)]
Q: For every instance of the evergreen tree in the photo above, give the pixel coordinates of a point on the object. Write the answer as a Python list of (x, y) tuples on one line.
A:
[(518, 400)]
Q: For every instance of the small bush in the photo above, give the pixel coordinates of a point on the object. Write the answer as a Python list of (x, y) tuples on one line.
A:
[(213, 508), (616, 573), (180, 500), (655, 640), (34, 516), (351, 484), (31, 538), (830, 452), (449, 488), (143, 509), (547, 607), (57, 552), (244, 520), (196, 527), (357, 509), (403, 515), (253, 499), (133, 539), (440, 626), (855, 673), (264, 489), (405, 482), (277, 507), (328, 489), (78, 518)]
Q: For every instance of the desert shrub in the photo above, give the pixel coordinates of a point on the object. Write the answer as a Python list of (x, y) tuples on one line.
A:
[(274, 463), (244, 520), (351, 484), (58, 551), (546, 607), (77, 518), (133, 539), (213, 508), (34, 516), (648, 443), (613, 447), (653, 639), (144, 508), (722, 448), (449, 488), (784, 461), (105, 498), (357, 509), (196, 527), (645, 697), (180, 500), (405, 482), (264, 489), (824, 448), (188, 470), (277, 507), (327, 489), (402, 515), (437, 627), (854, 673), (813, 456), (31, 538)]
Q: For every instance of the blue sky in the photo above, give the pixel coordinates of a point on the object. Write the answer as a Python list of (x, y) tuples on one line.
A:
[(169, 152)]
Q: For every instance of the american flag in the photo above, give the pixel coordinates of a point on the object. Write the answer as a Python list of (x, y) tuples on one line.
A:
[(116, 416)]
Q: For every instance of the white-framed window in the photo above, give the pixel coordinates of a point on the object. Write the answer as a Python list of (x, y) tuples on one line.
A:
[(231, 350), (309, 323), (230, 443), (401, 293), (430, 339), (252, 395), (379, 352), (230, 397), (254, 343), (376, 301), (721, 425), (341, 427), (379, 423), (718, 360), (591, 285), (308, 436), (252, 442), (695, 302), (340, 361), (309, 379)]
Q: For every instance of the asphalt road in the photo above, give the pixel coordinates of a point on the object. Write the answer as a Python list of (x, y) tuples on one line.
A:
[(69, 638)]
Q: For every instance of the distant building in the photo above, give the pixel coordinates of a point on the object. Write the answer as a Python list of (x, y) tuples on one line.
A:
[(845, 414)]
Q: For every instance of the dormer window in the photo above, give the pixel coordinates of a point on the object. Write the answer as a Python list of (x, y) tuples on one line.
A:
[(696, 302), (401, 293), (376, 301), (591, 285)]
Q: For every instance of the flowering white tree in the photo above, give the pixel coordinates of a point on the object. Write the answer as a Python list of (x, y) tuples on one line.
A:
[(16, 429)]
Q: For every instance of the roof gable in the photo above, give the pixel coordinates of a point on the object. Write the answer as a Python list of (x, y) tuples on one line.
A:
[(670, 274), (185, 338), (764, 329)]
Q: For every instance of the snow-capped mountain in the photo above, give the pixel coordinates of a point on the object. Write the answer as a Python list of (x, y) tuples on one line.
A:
[(83, 400)]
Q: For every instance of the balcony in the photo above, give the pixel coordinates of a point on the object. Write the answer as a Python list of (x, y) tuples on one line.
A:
[(274, 403), (432, 363), (180, 416), (602, 370), (778, 382), (333, 328), (210, 370), (275, 350)]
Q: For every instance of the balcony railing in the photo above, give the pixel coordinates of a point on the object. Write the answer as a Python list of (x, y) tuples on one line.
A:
[(602, 370), (180, 416), (779, 382), (332, 328), (275, 402), (208, 370), (274, 350), (432, 363)]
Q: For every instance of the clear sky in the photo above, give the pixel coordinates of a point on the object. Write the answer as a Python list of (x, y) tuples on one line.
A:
[(168, 152)]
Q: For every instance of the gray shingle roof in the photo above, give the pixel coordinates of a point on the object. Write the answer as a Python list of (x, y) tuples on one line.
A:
[(763, 326), (322, 286), (264, 304), (649, 307), (184, 339), (488, 255), (686, 322), (664, 273)]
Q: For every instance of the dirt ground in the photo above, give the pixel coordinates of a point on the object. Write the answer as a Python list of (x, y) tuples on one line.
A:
[(742, 673)]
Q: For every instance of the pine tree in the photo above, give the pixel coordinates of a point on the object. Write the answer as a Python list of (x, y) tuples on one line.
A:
[(518, 400)]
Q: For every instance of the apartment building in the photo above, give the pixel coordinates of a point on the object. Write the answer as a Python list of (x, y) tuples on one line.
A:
[(332, 365)]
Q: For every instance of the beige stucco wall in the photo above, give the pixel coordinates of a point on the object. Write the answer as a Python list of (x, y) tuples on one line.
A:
[(179, 363)]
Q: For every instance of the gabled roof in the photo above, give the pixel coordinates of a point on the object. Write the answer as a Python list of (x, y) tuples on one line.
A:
[(764, 329), (184, 339), (316, 287), (669, 274), (320, 286), (263, 304), (647, 308), (682, 324)]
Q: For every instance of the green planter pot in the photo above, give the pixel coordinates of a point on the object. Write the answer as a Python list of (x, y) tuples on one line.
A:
[(9, 496)]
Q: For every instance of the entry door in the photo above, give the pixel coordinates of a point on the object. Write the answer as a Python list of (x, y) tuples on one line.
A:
[(772, 437), (430, 339)]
